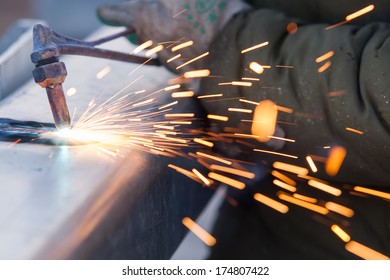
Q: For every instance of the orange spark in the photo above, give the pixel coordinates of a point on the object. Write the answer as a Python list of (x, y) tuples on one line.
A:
[(226, 180), (102, 73), (185, 172), (354, 130), (164, 126), (275, 153), (285, 109), (311, 163), (304, 204), (305, 198), (239, 110), (290, 168), (180, 115), (264, 120), (172, 87), (340, 209), (292, 27), (324, 56), (218, 118), (173, 58), (250, 79), (284, 66), (282, 139), (182, 94), (143, 46), (203, 235), (256, 67), (14, 143), (210, 95), (359, 13), (340, 233), (324, 187), (197, 74), (285, 186), (324, 67), (154, 50), (182, 46), (245, 135), (234, 171), (203, 178), (248, 101), (335, 160), (364, 252), (204, 142), (168, 105), (255, 47), (193, 60), (271, 203), (372, 192), (72, 91), (180, 122), (283, 177), (237, 83), (214, 158)]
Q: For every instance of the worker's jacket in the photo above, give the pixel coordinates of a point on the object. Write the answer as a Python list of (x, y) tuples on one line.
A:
[(342, 100)]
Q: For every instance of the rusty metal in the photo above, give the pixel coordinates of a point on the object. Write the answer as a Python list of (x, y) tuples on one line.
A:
[(50, 72)]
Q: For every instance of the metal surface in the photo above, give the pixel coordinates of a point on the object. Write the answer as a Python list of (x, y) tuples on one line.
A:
[(71, 202)]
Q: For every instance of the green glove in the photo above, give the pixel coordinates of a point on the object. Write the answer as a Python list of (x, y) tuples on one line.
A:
[(172, 22)]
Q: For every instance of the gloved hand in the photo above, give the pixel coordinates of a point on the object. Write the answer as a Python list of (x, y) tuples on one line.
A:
[(173, 22)]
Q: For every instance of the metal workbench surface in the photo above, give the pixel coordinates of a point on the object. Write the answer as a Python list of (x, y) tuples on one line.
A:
[(61, 202)]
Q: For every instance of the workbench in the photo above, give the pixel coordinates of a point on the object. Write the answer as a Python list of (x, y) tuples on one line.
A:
[(78, 202)]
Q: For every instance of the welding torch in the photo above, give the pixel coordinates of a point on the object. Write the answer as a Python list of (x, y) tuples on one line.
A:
[(50, 72)]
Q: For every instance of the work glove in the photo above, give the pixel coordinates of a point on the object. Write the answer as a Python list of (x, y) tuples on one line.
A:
[(173, 22)]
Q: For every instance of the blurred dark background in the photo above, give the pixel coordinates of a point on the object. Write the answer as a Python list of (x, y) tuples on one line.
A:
[(71, 17)]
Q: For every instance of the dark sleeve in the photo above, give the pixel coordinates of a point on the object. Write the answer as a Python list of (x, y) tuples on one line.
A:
[(326, 11), (354, 92)]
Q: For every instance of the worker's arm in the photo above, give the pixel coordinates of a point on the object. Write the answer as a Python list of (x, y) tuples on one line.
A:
[(353, 92), (350, 93)]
